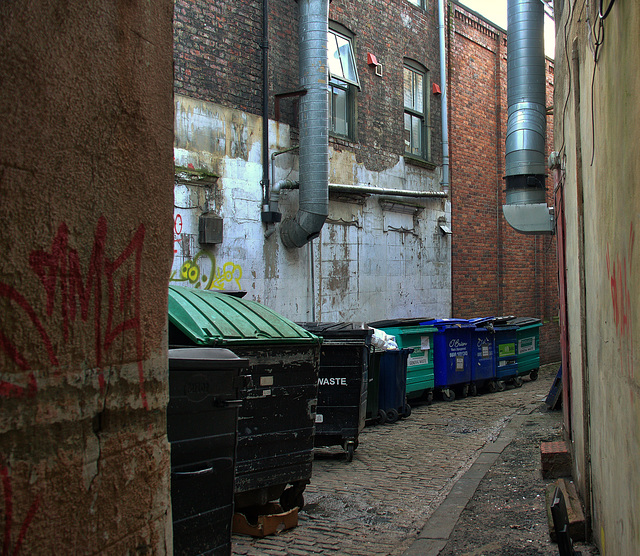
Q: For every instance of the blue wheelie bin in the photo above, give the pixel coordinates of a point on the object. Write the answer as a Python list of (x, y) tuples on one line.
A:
[(452, 356), (483, 356), (392, 398)]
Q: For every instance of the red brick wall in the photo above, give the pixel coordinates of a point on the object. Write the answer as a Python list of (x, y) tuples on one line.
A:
[(495, 270), (217, 58)]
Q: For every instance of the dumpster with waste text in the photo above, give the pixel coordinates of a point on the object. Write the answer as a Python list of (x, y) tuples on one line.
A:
[(277, 418), (342, 382)]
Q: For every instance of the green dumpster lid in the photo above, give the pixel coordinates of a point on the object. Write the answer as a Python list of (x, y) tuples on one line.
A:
[(209, 318)]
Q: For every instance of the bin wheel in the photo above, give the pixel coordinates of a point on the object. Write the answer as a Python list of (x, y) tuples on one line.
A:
[(501, 386), (464, 391), (290, 500), (392, 415), (350, 449), (533, 375), (448, 395), (492, 386), (473, 389), (382, 417), (429, 397), (518, 382), (407, 410)]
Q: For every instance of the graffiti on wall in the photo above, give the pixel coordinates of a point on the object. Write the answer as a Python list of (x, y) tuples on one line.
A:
[(106, 296), (7, 491), (201, 272), (619, 274)]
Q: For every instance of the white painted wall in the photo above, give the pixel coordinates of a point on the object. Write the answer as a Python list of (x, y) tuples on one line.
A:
[(375, 257)]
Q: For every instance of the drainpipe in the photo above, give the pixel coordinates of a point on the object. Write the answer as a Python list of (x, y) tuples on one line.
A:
[(443, 85), (526, 209), (264, 45), (314, 127)]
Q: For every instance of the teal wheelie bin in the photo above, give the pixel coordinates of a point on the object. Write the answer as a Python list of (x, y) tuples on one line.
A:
[(528, 335), (506, 346), (410, 334)]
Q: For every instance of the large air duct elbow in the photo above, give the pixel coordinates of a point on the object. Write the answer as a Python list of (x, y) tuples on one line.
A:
[(526, 208), (314, 127)]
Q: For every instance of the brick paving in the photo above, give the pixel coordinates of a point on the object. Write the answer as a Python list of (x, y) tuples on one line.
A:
[(400, 474)]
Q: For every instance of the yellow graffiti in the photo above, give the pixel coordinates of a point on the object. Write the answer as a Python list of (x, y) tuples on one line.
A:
[(230, 272)]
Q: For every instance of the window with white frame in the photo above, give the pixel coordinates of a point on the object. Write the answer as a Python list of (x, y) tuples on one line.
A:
[(419, 3), (343, 83), (416, 113)]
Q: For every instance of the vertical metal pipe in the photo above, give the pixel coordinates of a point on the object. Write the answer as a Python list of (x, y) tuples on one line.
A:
[(264, 45), (314, 126), (443, 85)]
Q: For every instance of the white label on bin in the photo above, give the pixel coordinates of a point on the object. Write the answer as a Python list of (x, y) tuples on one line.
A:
[(266, 381), (424, 343), (485, 351), (526, 345), (319, 418), (333, 381), (459, 363), (266, 393), (420, 360)]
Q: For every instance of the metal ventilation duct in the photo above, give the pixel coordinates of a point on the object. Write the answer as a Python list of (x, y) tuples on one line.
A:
[(526, 208), (314, 126)]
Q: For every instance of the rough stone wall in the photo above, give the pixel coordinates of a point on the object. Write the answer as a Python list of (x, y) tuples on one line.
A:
[(596, 132), (85, 196), (495, 270)]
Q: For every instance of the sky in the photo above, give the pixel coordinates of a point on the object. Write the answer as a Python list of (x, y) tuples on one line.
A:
[(496, 11)]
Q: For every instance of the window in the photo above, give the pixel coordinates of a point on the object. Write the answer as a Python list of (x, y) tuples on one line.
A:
[(343, 80), (416, 130), (419, 3)]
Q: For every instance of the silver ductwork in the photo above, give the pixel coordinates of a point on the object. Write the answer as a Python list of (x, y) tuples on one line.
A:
[(313, 206), (526, 209)]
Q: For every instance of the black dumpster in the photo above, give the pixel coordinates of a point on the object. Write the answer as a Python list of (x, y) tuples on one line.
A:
[(342, 382), (202, 418), (277, 417)]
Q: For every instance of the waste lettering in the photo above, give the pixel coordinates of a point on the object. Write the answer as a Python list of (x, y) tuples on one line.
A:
[(619, 274), (75, 296), (7, 491)]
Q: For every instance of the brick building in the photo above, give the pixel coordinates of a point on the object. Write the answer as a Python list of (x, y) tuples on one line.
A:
[(495, 270), (378, 255)]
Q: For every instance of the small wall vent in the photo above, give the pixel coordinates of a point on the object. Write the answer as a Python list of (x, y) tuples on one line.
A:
[(210, 229)]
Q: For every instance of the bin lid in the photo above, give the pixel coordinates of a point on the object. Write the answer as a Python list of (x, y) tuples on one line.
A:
[(448, 323), (208, 319), (191, 358), (338, 329), (525, 321), (395, 323)]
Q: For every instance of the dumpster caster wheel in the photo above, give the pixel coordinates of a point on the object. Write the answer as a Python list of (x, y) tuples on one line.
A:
[(492, 386), (501, 386), (290, 500), (350, 449), (473, 389), (382, 417), (533, 375), (407, 410), (517, 382), (392, 415), (448, 395), (464, 391), (429, 397)]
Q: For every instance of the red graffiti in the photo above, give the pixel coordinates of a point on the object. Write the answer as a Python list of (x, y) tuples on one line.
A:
[(81, 297), (619, 280), (177, 230), (8, 516)]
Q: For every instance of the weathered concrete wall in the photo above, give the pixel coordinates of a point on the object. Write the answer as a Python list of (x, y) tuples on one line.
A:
[(85, 196), (597, 142), (495, 269), (377, 257)]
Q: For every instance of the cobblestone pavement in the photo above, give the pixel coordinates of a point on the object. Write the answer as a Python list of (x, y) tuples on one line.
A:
[(400, 474)]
